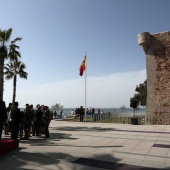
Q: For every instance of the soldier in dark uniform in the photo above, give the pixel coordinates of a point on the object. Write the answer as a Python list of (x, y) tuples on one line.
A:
[(37, 121), (81, 113), (15, 121), (47, 121)]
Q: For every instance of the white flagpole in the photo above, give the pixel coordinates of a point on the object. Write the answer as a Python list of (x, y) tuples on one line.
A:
[(85, 85)]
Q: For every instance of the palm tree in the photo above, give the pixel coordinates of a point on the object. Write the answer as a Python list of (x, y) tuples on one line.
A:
[(8, 49), (12, 69), (13, 53)]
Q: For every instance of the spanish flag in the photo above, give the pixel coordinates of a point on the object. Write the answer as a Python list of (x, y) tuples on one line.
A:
[(83, 66)]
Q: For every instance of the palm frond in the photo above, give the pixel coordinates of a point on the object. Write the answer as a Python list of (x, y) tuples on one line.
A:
[(15, 68), (14, 54), (8, 34), (16, 39), (23, 74)]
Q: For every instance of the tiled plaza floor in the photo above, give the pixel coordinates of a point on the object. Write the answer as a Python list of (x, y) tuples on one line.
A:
[(93, 146)]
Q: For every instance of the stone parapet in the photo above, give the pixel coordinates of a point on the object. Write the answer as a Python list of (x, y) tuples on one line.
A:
[(157, 52)]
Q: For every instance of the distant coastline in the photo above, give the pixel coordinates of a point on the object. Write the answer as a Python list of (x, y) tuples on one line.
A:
[(114, 111)]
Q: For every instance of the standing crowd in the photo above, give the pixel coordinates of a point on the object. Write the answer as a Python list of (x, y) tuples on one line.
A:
[(24, 124), (80, 111)]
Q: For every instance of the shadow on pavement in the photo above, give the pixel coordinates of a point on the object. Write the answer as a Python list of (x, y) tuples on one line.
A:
[(22, 158), (61, 161), (70, 128)]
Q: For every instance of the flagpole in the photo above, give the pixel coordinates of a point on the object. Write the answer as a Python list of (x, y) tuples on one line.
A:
[(85, 86)]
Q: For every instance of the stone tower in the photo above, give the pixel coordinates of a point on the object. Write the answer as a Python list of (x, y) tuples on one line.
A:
[(157, 51)]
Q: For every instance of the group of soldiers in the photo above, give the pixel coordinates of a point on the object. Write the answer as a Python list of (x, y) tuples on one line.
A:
[(27, 123), (80, 112)]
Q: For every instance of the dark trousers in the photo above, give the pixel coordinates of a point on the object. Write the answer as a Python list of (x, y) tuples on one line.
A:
[(32, 128), (81, 117), (1, 128), (14, 130), (37, 125), (47, 134)]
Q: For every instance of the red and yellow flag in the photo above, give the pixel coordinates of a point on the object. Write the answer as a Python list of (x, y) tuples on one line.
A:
[(83, 66)]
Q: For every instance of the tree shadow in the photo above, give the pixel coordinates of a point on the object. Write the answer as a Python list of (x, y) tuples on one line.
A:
[(20, 160), (62, 156), (82, 128), (41, 140)]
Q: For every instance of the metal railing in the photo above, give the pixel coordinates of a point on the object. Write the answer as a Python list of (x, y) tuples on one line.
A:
[(111, 118), (138, 119), (161, 117)]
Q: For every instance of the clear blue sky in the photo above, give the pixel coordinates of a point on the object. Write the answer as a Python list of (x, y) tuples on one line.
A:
[(57, 33)]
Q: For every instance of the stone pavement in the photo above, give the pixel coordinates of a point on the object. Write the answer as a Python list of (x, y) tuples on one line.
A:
[(93, 146)]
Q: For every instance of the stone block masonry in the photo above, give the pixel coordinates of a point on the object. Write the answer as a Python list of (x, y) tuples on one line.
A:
[(157, 52)]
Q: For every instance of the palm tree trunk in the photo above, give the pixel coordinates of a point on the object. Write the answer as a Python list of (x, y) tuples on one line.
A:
[(14, 88), (1, 77)]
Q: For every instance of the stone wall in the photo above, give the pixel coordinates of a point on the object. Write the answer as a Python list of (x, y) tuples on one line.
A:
[(157, 51)]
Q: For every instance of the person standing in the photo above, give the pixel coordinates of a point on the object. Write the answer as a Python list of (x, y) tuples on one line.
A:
[(93, 112), (98, 111), (61, 113), (7, 129), (32, 119), (3, 116), (72, 112), (37, 121), (22, 122), (55, 114), (28, 121), (77, 112), (47, 121), (81, 113), (15, 121)]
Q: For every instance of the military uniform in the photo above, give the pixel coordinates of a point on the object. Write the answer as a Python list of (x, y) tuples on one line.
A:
[(47, 121)]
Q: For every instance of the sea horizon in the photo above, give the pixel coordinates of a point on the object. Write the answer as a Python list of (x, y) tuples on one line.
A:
[(114, 111)]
